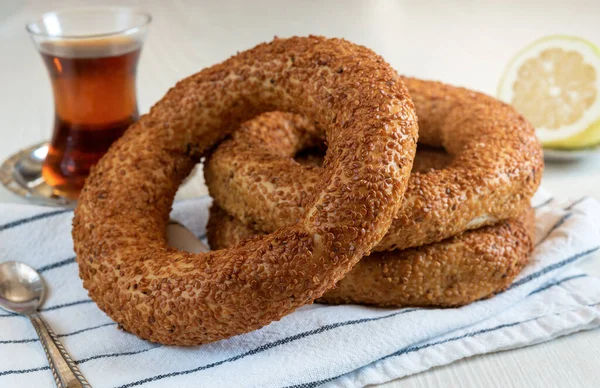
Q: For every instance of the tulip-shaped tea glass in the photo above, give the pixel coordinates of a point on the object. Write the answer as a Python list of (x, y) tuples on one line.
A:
[(91, 56)]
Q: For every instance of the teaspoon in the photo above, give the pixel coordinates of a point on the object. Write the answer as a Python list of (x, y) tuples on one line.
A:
[(22, 291)]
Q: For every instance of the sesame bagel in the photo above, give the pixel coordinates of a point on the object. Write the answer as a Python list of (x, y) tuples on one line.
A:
[(456, 271), (496, 167), (173, 297)]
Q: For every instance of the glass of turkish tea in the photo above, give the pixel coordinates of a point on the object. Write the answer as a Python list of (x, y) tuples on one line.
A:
[(91, 56)]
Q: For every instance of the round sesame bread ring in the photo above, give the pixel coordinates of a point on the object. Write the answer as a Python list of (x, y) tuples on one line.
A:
[(496, 168), (459, 270), (173, 297)]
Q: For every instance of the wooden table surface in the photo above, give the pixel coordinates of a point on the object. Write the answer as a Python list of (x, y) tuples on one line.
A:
[(466, 43)]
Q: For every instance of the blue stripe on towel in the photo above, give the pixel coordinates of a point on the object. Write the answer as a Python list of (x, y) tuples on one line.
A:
[(28, 340), (56, 307), (568, 207), (131, 353), (57, 264), (557, 225), (41, 216), (541, 205), (552, 267), (577, 202), (558, 282)]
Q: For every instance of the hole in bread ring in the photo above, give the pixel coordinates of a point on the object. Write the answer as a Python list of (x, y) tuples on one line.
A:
[(173, 297), (456, 271), (495, 169), (426, 159)]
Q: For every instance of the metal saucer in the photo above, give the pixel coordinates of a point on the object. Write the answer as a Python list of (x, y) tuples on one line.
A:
[(22, 174)]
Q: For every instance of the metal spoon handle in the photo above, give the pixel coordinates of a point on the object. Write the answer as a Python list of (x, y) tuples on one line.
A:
[(65, 372)]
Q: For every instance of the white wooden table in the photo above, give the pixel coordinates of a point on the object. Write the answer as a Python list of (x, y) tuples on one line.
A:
[(466, 43)]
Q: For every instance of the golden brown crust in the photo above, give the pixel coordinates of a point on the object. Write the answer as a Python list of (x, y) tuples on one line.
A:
[(496, 168), (473, 265), (174, 297)]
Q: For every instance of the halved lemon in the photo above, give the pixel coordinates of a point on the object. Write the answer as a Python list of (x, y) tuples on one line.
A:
[(555, 83)]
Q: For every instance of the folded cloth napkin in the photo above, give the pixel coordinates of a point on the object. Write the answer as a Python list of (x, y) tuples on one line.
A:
[(318, 345)]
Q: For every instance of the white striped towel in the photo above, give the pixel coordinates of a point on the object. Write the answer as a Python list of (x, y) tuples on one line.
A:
[(340, 346)]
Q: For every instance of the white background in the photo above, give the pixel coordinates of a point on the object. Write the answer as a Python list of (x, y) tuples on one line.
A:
[(467, 43)]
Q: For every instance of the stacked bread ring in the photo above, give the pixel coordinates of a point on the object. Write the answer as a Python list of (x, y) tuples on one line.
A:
[(175, 297), (464, 230)]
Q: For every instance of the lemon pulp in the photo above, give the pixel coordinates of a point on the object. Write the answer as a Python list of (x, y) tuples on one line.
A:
[(555, 84)]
